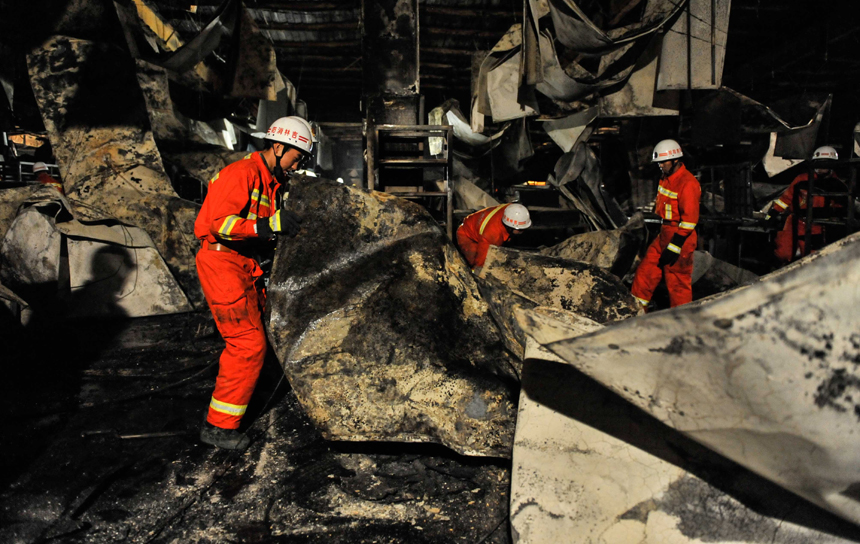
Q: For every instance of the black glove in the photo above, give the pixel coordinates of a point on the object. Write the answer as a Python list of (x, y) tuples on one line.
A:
[(672, 252), (284, 221), (774, 220)]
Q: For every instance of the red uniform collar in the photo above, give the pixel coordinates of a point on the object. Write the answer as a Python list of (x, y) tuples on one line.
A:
[(265, 173), (677, 174)]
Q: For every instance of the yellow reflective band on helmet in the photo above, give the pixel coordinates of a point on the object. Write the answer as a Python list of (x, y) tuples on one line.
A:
[(685, 225), (782, 205), (668, 211), (673, 248), (666, 192), (227, 408), (642, 301), (227, 226), (275, 222), (489, 216)]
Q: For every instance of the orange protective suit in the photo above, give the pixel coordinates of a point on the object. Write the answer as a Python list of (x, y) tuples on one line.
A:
[(47, 179), (678, 204), (226, 226), (794, 200), (481, 230)]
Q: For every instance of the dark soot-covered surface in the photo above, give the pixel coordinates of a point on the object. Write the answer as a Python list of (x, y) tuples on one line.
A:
[(73, 472)]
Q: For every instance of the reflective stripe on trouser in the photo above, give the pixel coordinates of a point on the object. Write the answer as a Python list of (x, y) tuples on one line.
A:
[(228, 282), (679, 276)]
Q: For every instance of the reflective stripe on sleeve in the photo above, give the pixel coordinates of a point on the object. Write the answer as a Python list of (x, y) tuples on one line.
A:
[(227, 226), (666, 192), (489, 216), (642, 301), (673, 248), (685, 225), (255, 195), (275, 222), (779, 204), (252, 216), (227, 408)]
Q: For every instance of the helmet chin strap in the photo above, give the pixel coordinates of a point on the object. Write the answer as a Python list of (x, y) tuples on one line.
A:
[(277, 171)]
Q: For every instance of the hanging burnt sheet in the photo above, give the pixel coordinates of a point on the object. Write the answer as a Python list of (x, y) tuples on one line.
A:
[(764, 375), (246, 66), (528, 58), (579, 178), (639, 97), (99, 130), (724, 116), (694, 48), (380, 328)]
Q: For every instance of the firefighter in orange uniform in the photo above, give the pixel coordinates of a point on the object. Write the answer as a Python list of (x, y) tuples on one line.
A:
[(670, 255), (240, 214), (490, 227), (793, 201), (43, 177)]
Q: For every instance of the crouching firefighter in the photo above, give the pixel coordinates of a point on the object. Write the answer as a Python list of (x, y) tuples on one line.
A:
[(490, 227), (670, 255), (240, 217)]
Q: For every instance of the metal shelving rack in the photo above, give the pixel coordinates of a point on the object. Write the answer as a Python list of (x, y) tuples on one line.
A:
[(393, 148)]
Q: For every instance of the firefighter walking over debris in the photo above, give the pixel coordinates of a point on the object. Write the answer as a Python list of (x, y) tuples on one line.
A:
[(239, 217), (491, 226), (670, 255)]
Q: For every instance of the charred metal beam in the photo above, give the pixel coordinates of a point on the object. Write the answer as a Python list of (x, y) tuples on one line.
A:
[(466, 12), (390, 48), (310, 26), (279, 44)]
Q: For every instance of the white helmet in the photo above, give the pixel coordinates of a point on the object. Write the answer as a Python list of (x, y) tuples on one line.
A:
[(826, 153), (517, 217), (39, 167), (293, 131), (666, 150)]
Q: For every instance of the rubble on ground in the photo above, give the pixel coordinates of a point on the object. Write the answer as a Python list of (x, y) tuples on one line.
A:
[(712, 275), (587, 462), (380, 327), (611, 250), (764, 375)]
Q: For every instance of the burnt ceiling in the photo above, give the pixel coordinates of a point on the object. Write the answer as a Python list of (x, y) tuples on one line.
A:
[(777, 49), (319, 45)]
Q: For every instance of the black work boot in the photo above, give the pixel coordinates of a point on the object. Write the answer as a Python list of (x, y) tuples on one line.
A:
[(228, 439)]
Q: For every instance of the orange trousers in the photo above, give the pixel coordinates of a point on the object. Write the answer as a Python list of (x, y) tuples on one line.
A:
[(229, 283), (679, 276), (783, 243)]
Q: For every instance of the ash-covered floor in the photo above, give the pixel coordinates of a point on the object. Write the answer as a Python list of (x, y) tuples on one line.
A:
[(100, 445)]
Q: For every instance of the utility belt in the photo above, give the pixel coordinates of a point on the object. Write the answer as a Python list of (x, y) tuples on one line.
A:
[(264, 258), (223, 248)]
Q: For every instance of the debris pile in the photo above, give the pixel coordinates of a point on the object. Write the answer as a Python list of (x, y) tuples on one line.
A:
[(381, 329)]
